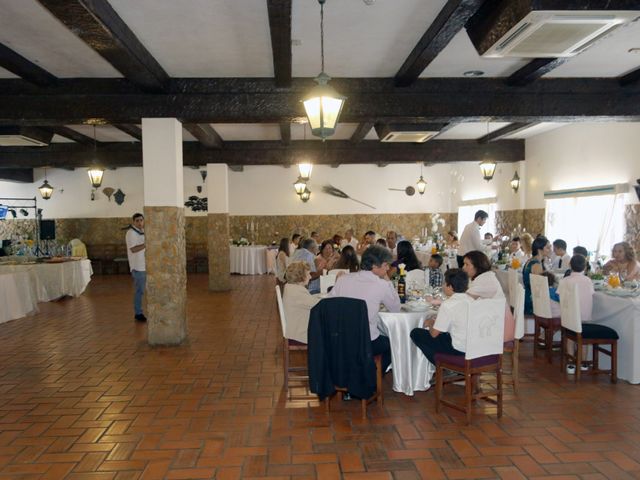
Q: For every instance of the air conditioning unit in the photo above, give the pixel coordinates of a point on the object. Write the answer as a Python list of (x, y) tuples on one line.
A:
[(418, 133), (24, 137), (556, 33)]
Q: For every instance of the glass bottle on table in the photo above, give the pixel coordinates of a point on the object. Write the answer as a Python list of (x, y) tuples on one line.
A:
[(402, 284)]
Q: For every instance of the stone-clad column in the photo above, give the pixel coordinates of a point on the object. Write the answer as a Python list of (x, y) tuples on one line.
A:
[(165, 253), (218, 231)]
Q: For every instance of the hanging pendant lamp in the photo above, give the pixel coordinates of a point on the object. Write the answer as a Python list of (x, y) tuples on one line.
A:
[(488, 166), (95, 172), (422, 185), (323, 104), (46, 190)]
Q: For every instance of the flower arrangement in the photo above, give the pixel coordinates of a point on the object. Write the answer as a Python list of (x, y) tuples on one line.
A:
[(240, 242)]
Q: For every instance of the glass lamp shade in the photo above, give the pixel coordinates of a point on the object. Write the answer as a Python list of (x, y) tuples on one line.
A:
[(95, 175), (422, 185), (46, 190), (515, 182), (300, 186), (323, 106), (488, 168), (306, 195), (305, 170)]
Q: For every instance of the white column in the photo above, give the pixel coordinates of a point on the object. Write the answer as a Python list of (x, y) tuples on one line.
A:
[(162, 162)]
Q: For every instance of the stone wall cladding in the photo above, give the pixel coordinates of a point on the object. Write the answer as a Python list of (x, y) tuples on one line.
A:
[(218, 228), (166, 275)]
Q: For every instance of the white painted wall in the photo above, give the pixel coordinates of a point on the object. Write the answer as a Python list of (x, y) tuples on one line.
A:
[(582, 155)]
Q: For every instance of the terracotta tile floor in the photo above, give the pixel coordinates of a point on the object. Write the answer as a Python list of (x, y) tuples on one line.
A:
[(83, 397)]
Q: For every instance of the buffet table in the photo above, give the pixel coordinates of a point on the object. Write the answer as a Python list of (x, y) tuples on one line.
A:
[(26, 284), (249, 260)]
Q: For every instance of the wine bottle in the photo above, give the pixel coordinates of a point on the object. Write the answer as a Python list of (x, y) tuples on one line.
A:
[(402, 285)]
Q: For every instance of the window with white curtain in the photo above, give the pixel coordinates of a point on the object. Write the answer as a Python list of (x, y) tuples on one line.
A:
[(594, 222), (467, 212)]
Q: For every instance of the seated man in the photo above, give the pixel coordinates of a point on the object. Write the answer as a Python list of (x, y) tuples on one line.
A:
[(515, 250), (585, 286), (307, 253), (561, 258), (436, 278), (447, 334), (349, 239), (392, 242), (372, 285), (368, 240)]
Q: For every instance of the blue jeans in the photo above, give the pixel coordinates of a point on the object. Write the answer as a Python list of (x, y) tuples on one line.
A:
[(139, 282)]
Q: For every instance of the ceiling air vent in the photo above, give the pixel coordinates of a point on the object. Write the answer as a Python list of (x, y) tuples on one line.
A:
[(411, 133), (24, 137), (543, 34)]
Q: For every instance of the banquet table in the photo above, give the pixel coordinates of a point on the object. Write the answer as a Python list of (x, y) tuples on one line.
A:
[(41, 282), (248, 260), (411, 369), (623, 315)]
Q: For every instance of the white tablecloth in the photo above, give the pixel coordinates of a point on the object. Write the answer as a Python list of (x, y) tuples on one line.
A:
[(623, 315), (41, 282), (411, 369), (17, 297), (249, 260)]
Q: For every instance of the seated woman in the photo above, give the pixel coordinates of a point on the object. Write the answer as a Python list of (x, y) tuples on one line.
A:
[(526, 243), (485, 284), (282, 260), (327, 258), (623, 262), (406, 255), (452, 240), (348, 260), (297, 301), (540, 250), (447, 334)]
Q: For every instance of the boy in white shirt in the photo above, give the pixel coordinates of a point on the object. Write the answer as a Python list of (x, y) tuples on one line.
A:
[(447, 334), (561, 258)]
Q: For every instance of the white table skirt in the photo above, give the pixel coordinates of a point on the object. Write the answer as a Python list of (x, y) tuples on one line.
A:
[(249, 260), (623, 315), (17, 297), (411, 369), (42, 282)]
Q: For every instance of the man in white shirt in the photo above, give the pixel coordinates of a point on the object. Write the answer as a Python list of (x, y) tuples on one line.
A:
[(368, 241), (448, 333), (516, 251), (349, 239), (561, 259), (585, 286), (135, 255), (470, 239), (372, 285), (392, 242)]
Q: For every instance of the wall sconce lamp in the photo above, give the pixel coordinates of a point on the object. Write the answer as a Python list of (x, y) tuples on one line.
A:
[(515, 182)]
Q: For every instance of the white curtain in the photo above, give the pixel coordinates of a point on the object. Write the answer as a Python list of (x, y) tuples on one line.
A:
[(467, 212), (594, 222)]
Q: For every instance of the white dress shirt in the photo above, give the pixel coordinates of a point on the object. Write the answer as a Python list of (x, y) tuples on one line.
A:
[(470, 239)]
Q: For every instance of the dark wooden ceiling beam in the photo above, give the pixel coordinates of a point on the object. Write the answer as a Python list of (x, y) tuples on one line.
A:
[(505, 131), (121, 154), (447, 24), (534, 70), (280, 28), (361, 131), (630, 78), (20, 66), (285, 133), (205, 134), (435, 100), (71, 134), (100, 27), (21, 175), (130, 129)]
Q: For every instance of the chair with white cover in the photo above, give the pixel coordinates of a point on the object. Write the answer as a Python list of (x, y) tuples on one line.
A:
[(327, 281), (288, 346), (483, 354), (336, 271), (513, 346), (584, 334), (416, 278), (78, 248), (512, 281), (543, 321)]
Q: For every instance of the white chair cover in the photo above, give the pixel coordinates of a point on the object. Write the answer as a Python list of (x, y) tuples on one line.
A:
[(518, 311), (540, 296), (335, 271), (283, 321), (78, 248), (570, 308), (326, 281), (416, 278), (512, 277), (485, 328)]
